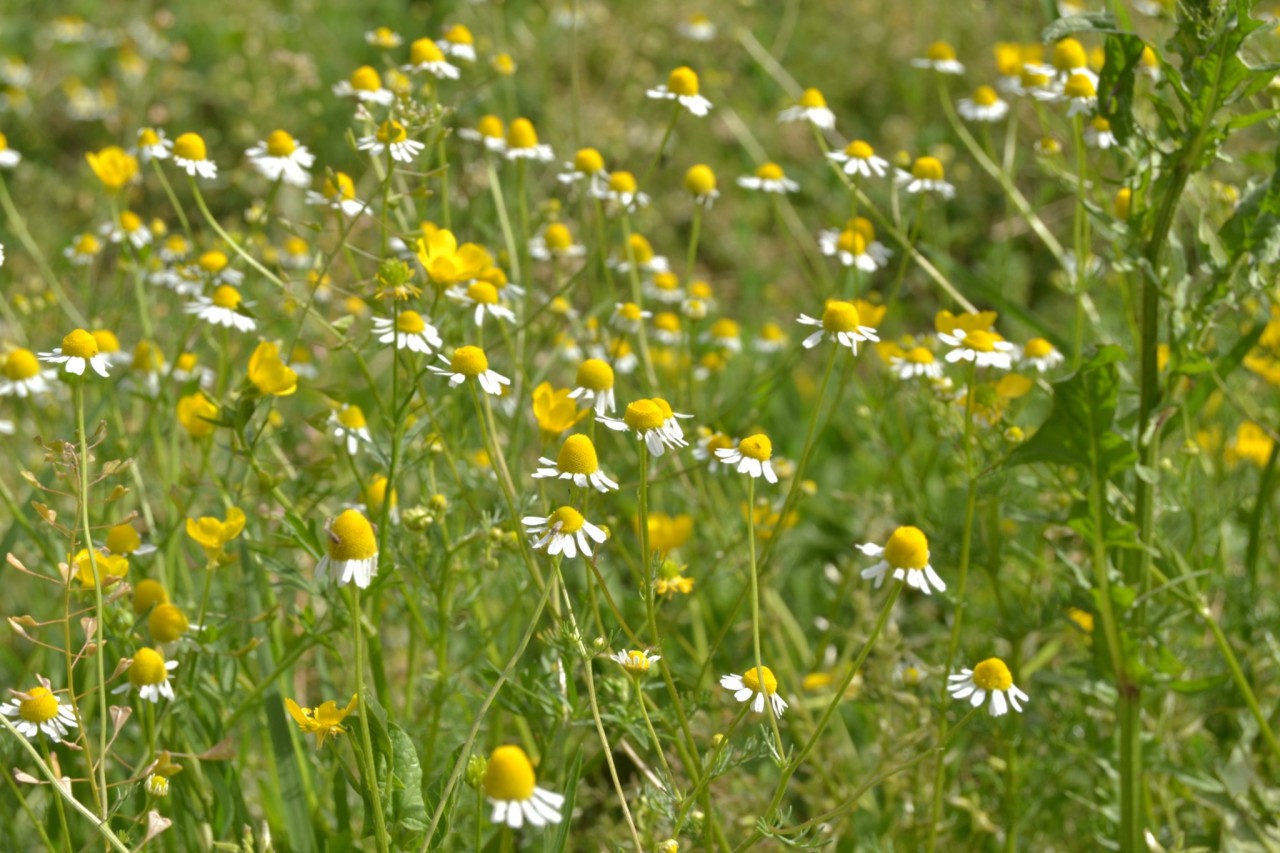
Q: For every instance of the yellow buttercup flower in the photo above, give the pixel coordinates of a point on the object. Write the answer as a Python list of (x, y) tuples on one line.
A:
[(269, 373), (111, 567), (213, 534), (447, 263), (196, 413), (114, 166), (554, 410), (324, 722)]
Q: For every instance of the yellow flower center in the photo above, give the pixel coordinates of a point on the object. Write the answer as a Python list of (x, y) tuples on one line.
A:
[(667, 281), (588, 160), (366, 79), (423, 51), (1080, 86), (190, 146), (595, 375), (1123, 200), (663, 406), (757, 447), (88, 245), (557, 237), (979, 340), (213, 262), (629, 311), (469, 361), (148, 137), (666, 322), (508, 777), (187, 361), (483, 292), (352, 417), (22, 364), (940, 51), (568, 519), (491, 126), (41, 707), (812, 99), (859, 150), (1037, 348), (683, 81), (927, 169), (772, 332), (106, 340), (726, 329), (1030, 79), (123, 539), (760, 680), (907, 548), (146, 593), (340, 186), (391, 132), (1069, 54), (458, 34), (130, 221), (578, 456), (80, 344), (622, 182), (1100, 124), (147, 668), (643, 415), (919, 355), (410, 322), (383, 37), (840, 316), (769, 172), (376, 493), (992, 674), (4, 142), (167, 623), (852, 242), (1008, 58), (521, 134), (281, 144), (985, 96), (637, 660), (226, 296), (351, 537), (700, 180)]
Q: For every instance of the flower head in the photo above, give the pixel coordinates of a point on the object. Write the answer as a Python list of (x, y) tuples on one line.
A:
[(984, 104), (470, 362), (811, 107), (351, 550), (700, 182), (940, 57), (522, 143), (755, 686), (859, 158), (191, 155), (365, 85), (991, 677), (324, 721), (114, 166), (752, 456), (594, 384), (926, 176), (281, 157), (38, 710), (649, 420), (149, 673), (769, 178), (213, 534), (840, 322), (79, 349), (426, 55), (391, 138), (109, 567), (682, 87), (510, 785), (576, 461), (565, 531), (906, 554), (635, 661)]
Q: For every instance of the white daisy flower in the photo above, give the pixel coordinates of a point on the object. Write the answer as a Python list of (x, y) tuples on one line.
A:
[(587, 165), (149, 673), (940, 57), (991, 677), (1041, 355), (983, 105), (391, 136), (917, 362), (751, 456), (510, 785), (906, 555), (349, 426), (280, 157), (522, 143), (458, 43), (470, 362), (79, 350), (152, 145), (489, 131), (635, 661), (338, 193), (577, 461), (365, 85), (83, 249), (682, 87), (8, 157), (408, 330), (594, 386), (21, 375), (426, 56), (192, 156), (129, 228), (486, 299), (755, 686), (222, 309), (351, 550), (859, 158), (926, 176), (812, 107), (1098, 134), (840, 323), (39, 711), (769, 178), (697, 27), (564, 531), (622, 190), (628, 317), (649, 421), (851, 247), (985, 348)]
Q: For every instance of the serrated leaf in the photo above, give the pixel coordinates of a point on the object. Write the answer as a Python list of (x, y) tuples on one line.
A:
[(1090, 22), (1256, 217), (407, 808), (1115, 84)]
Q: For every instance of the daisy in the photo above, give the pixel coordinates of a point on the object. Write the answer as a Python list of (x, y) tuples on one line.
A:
[(1082, 93), (365, 85), (39, 710), (771, 339), (623, 190), (408, 330), (769, 178), (1098, 134), (222, 309), (926, 176), (555, 242), (458, 42), (339, 193), (280, 157), (79, 348), (754, 686), (471, 362), (841, 323), (696, 27), (522, 143), (700, 182), (751, 455), (671, 419), (426, 55), (510, 785), (485, 297), (983, 105), (907, 555), (859, 158), (564, 531), (984, 348), (639, 249), (629, 317), (594, 386), (490, 131), (8, 157), (391, 136), (666, 328), (991, 676), (130, 228), (1041, 355), (216, 266), (351, 550), (149, 672), (577, 461), (725, 333), (83, 249), (21, 375), (588, 165), (682, 87), (812, 107), (635, 661), (192, 156), (174, 248), (152, 145), (349, 424), (850, 247), (940, 57), (915, 362), (664, 287), (1069, 58), (649, 422), (383, 38)]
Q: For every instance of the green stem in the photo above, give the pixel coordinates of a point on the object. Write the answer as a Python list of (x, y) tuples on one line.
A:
[(370, 770), (19, 227), (662, 146), (755, 613)]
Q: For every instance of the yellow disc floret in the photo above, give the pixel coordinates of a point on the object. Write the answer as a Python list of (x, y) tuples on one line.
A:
[(167, 623), (859, 150), (622, 182), (147, 668), (577, 456), (813, 99), (700, 180), (390, 132), (1080, 86), (940, 51), (40, 706), (226, 296), (1037, 348), (190, 146), (352, 417), (424, 51), (410, 322), (839, 316), (80, 344), (770, 172), (482, 292), (366, 79), (985, 96), (981, 341), (566, 520), (927, 169), (469, 361), (643, 415), (757, 447), (508, 777), (761, 680), (147, 594), (281, 144), (558, 237), (588, 161), (351, 537), (123, 539), (521, 134), (992, 674), (1068, 55), (683, 81), (595, 375), (21, 364), (907, 548)]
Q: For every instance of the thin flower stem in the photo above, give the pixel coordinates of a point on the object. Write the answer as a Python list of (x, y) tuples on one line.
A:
[(662, 145), (633, 272), (1080, 231), (57, 801), (173, 201), (700, 788), (370, 772), (653, 736), (755, 614)]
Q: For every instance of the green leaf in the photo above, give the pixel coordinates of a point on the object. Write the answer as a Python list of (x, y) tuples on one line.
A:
[(1115, 84), (558, 839), (1091, 22), (408, 812), (298, 830), (1256, 218), (1198, 685)]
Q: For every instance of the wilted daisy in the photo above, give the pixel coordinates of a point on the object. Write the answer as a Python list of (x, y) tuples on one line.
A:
[(1098, 134), (594, 385), (39, 710), (149, 673), (926, 176), (21, 375), (510, 785), (391, 136), (635, 661), (769, 178), (623, 190), (859, 158), (191, 155), (1041, 355), (79, 349), (940, 57), (840, 322), (649, 423), (751, 456), (8, 157), (564, 531), (490, 131), (916, 362), (425, 55), (128, 228), (458, 42), (587, 164), (755, 686), (280, 157), (152, 145), (700, 182), (981, 346), (339, 193), (470, 362), (811, 107), (577, 461), (351, 550), (365, 85), (629, 317), (350, 427), (906, 555), (383, 38), (83, 249), (522, 143), (1082, 93), (682, 87), (983, 105), (486, 299), (408, 330), (222, 309), (992, 677)]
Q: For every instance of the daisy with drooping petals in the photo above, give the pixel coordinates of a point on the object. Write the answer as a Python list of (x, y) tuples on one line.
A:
[(149, 672), (21, 376), (751, 456), (648, 421), (215, 265), (840, 322), (222, 309), (1041, 355), (565, 531), (594, 386), (811, 107), (771, 339), (588, 165), (940, 57), (671, 420), (351, 550), (458, 43), (485, 297), (906, 554), (859, 158), (280, 157), (339, 193), (851, 247), (629, 317), (152, 145), (635, 661), (555, 243), (391, 136), (365, 85), (383, 38), (38, 711), (1098, 134), (470, 362), (991, 677), (83, 249), (489, 131), (191, 155), (510, 785), (350, 426), (522, 143), (700, 182), (682, 87), (408, 330), (577, 461), (926, 176), (426, 55), (756, 686), (79, 349), (983, 105), (697, 27), (769, 178)]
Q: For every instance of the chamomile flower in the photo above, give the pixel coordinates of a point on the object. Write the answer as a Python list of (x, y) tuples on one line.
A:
[(222, 309), (555, 243), (129, 228), (700, 182), (489, 131), (426, 56), (215, 266), (174, 248), (486, 299), (623, 190), (351, 550), (522, 143), (771, 339), (635, 661), (756, 686), (79, 349), (281, 158), (458, 43), (9, 158), (841, 323), (926, 176), (587, 165), (577, 461), (1098, 134), (639, 249), (1041, 355), (664, 287), (991, 677), (649, 423), (192, 156), (365, 85), (408, 330), (510, 785), (149, 673), (751, 456), (940, 57), (391, 136), (594, 386), (383, 38), (981, 346), (725, 333), (349, 426), (851, 247), (566, 531), (1082, 93), (859, 158), (682, 87), (39, 711), (21, 375), (906, 555), (671, 420), (629, 317), (769, 178), (697, 27), (811, 107), (917, 362), (983, 105), (83, 249), (152, 145), (1069, 58), (338, 192), (470, 362), (666, 328)]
